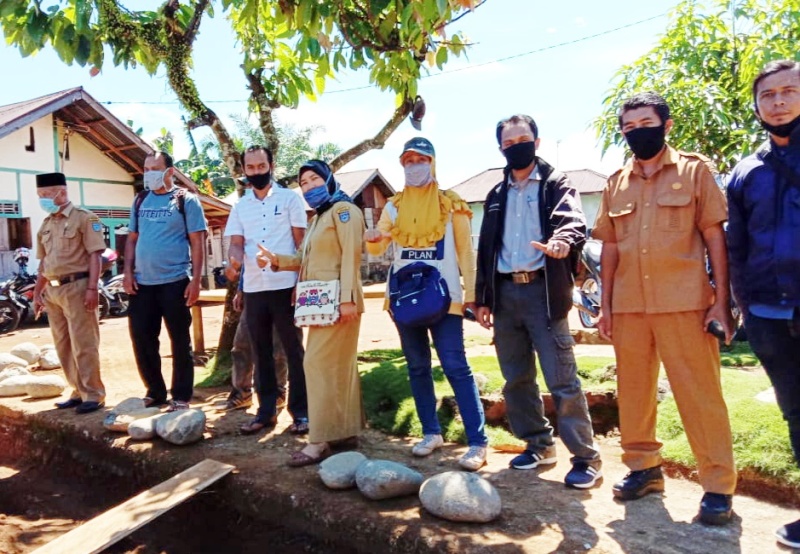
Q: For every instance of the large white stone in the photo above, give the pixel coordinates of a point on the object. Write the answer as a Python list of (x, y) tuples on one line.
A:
[(46, 386), (128, 405), (45, 347), (49, 360), (9, 360), (181, 427), (143, 429), (13, 372), (27, 351), (379, 479), (339, 471), (15, 386), (120, 422), (461, 496)]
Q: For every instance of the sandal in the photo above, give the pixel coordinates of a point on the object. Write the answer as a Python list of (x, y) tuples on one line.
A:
[(299, 427), (177, 405), (300, 458), (153, 403), (255, 425)]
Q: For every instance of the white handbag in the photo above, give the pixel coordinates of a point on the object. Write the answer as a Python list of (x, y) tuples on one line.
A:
[(316, 303)]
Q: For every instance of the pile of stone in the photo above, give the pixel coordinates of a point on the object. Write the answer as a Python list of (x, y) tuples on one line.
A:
[(16, 378), (454, 495), (180, 427)]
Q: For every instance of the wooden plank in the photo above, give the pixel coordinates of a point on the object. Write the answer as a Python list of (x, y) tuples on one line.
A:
[(117, 523), (197, 329)]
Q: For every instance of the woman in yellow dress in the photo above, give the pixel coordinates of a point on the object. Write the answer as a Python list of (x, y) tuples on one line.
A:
[(331, 250)]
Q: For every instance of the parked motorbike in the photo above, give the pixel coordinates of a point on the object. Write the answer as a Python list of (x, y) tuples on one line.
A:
[(10, 308), (587, 292), (113, 299), (220, 281)]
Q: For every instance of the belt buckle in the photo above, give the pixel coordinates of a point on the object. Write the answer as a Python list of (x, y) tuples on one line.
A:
[(521, 278), (55, 283)]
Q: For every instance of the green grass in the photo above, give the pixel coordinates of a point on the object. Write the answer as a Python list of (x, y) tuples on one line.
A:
[(738, 354), (760, 435), (216, 373)]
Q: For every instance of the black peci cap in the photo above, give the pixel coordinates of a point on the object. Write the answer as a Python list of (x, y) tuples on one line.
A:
[(51, 180)]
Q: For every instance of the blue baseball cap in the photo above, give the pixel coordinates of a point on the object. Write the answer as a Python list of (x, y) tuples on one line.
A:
[(419, 145)]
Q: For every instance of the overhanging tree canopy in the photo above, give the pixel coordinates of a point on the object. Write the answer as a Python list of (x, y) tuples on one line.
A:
[(704, 65)]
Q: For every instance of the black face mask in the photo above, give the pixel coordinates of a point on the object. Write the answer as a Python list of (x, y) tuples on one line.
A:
[(520, 155), (784, 130), (646, 142), (259, 181)]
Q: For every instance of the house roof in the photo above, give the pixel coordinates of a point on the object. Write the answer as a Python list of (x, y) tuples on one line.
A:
[(352, 183), (475, 189), (78, 111)]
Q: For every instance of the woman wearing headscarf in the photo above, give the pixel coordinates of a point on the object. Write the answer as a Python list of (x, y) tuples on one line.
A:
[(331, 250), (430, 225)]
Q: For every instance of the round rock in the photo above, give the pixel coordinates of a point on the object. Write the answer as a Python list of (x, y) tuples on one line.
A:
[(120, 422), (380, 479), (13, 372), (49, 360), (46, 386), (181, 427), (461, 496), (9, 360), (16, 386), (27, 351), (128, 405), (143, 429), (339, 471)]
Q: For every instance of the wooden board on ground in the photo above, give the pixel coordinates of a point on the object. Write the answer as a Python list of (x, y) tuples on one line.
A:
[(117, 523)]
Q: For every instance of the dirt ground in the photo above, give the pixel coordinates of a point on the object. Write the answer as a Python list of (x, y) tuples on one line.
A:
[(539, 513)]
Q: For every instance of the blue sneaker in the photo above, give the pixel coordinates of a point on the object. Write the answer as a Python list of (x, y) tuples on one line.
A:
[(584, 475), (531, 459)]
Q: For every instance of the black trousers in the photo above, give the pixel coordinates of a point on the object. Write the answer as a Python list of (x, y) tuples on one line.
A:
[(266, 310), (148, 307)]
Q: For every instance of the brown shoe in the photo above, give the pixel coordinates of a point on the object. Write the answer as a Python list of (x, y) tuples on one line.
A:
[(300, 458), (257, 424)]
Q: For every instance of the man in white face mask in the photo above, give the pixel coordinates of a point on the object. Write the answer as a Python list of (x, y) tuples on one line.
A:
[(164, 259)]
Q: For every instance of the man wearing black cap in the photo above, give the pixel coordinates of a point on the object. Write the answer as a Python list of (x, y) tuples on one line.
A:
[(68, 246)]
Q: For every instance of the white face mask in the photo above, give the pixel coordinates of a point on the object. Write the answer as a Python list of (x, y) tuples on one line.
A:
[(418, 175), (154, 180)]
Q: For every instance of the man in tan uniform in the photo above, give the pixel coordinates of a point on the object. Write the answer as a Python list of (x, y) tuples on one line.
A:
[(658, 217), (68, 246)]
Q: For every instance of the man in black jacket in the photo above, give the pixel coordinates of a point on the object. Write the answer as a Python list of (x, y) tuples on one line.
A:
[(533, 228)]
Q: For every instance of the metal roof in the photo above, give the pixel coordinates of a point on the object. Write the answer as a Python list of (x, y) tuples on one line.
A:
[(78, 111), (475, 189)]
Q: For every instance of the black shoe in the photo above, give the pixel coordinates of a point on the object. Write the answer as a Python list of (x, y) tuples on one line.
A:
[(88, 407), (789, 534), (636, 484), (71, 403), (716, 509)]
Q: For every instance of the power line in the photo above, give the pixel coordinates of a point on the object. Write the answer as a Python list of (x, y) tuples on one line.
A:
[(449, 71)]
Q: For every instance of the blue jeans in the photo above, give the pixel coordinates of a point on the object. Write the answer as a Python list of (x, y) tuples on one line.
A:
[(776, 342), (522, 329), (448, 339)]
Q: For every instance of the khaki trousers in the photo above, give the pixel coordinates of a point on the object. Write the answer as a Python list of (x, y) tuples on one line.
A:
[(76, 335), (691, 360)]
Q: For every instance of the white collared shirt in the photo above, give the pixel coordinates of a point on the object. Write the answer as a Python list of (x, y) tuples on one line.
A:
[(267, 222)]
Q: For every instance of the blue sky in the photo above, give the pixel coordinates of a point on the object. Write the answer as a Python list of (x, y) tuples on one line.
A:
[(561, 87)]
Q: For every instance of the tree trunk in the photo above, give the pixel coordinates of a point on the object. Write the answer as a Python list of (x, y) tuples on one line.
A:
[(230, 320)]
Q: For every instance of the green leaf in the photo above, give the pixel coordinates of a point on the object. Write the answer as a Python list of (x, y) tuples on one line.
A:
[(378, 6)]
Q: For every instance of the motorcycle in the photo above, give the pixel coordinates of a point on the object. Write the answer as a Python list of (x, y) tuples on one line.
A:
[(113, 299), (11, 307), (220, 281), (588, 290)]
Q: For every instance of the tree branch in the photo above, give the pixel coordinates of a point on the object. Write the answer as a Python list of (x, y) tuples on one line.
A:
[(265, 105), (376, 142), (194, 24)]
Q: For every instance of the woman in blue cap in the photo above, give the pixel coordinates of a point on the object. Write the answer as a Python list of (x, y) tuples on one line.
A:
[(331, 250), (431, 226)]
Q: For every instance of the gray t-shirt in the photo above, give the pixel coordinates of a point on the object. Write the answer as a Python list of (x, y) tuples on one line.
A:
[(162, 250)]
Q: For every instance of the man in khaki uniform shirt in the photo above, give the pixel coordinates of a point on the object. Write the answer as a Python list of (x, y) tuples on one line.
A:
[(659, 214), (68, 246)]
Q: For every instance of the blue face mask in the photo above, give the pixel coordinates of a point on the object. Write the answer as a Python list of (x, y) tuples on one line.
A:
[(317, 196), (49, 205)]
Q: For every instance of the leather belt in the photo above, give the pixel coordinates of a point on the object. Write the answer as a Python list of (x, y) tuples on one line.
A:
[(522, 277), (58, 281)]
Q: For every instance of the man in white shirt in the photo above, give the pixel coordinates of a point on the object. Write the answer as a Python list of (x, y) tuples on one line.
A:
[(272, 217)]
